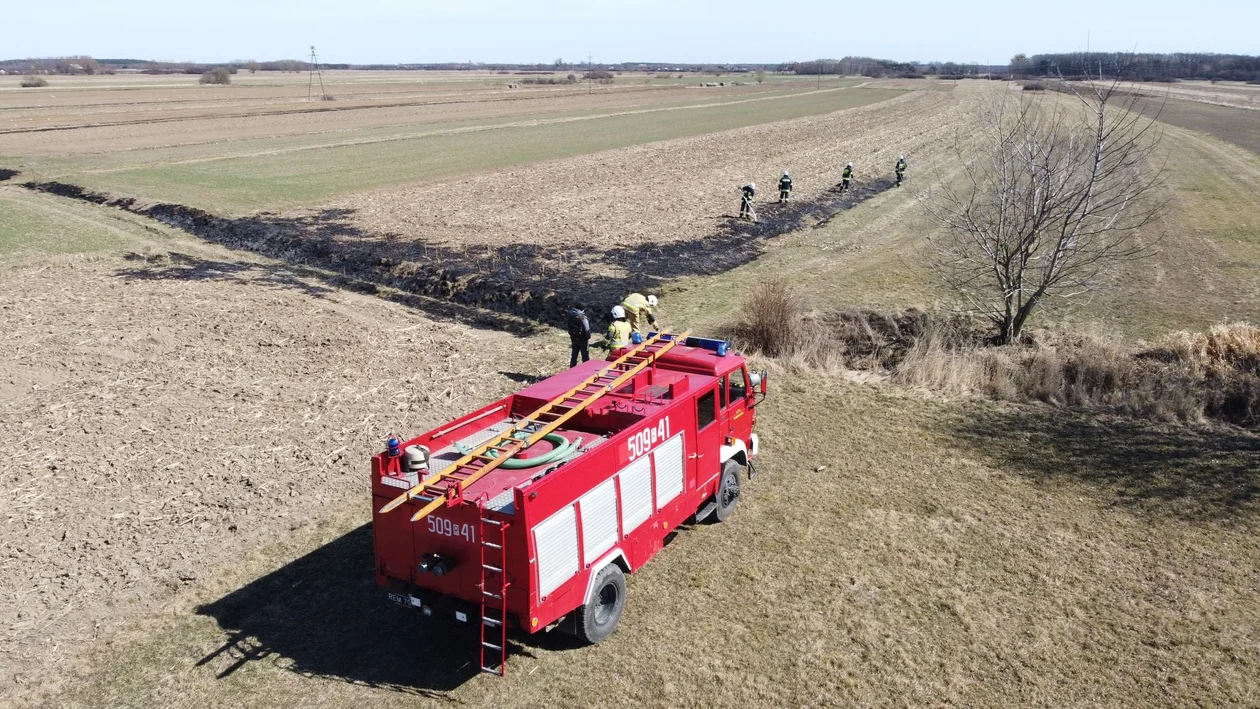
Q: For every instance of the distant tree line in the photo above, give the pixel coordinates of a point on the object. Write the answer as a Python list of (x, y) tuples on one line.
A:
[(1139, 67), (89, 65), (877, 68), (50, 66), (183, 68), (56, 65)]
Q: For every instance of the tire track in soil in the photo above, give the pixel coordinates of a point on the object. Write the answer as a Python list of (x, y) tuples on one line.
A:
[(328, 246)]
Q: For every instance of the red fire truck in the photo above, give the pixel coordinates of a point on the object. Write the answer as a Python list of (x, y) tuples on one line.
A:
[(531, 510)]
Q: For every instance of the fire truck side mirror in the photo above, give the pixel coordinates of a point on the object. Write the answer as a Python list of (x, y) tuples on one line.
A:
[(758, 381)]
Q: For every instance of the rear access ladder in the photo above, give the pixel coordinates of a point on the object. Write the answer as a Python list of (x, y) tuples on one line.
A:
[(446, 488), (494, 585)]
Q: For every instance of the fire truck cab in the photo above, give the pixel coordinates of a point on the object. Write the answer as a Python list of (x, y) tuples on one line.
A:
[(545, 539)]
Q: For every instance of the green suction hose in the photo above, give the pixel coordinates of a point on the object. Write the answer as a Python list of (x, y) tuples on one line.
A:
[(563, 448)]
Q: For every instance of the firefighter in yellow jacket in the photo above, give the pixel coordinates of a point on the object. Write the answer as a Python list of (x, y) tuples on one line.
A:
[(639, 311), (618, 334)]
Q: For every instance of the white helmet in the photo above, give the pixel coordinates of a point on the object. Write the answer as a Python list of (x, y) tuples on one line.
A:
[(901, 157), (652, 301), (618, 312), (849, 165), (785, 174), (752, 185)]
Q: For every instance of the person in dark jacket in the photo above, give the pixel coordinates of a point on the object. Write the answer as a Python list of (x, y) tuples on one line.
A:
[(845, 177), (747, 192), (579, 334), (900, 168), (785, 187)]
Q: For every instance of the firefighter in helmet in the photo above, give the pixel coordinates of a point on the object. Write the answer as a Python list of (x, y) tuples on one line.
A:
[(638, 309), (845, 177), (900, 168), (618, 334), (785, 187), (747, 192)]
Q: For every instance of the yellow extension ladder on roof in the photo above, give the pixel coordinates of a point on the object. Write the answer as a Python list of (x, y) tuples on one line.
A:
[(447, 486)]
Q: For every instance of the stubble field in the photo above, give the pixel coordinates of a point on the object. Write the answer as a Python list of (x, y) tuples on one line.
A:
[(187, 414)]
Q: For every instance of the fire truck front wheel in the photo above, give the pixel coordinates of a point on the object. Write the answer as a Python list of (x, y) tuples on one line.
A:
[(728, 490), (598, 617)]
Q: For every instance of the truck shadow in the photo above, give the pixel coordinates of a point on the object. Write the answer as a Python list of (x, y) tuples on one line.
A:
[(515, 287), (1204, 474), (323, 616)]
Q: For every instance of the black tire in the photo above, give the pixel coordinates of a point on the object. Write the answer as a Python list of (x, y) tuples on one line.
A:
[(728, 491), (598, 617)]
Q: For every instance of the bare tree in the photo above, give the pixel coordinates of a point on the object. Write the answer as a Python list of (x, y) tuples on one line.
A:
[(1051, 203)]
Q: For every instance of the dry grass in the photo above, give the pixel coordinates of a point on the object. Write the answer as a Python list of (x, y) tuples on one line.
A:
[(1187, 377), (775, 324), (1223, 348), (1191, 377), (773, 319)]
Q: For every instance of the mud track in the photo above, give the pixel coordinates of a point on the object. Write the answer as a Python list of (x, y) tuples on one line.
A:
[(520, 285)]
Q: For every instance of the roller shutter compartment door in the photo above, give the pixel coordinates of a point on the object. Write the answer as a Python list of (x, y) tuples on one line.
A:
[(668, 461), (599, 520), (636, 494), (556, 542)]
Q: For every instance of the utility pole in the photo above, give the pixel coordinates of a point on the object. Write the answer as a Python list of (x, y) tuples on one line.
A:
[(819, 86), (589, 73), (310, 81)]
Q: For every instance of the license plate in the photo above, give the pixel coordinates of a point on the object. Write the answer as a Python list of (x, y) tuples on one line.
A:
[(404, 600)]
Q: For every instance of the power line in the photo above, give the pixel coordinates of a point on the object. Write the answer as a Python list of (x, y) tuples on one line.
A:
[(315, 71)]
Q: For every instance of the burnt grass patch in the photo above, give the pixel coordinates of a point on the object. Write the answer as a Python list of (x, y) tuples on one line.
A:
[(514, 287), (6, 174)]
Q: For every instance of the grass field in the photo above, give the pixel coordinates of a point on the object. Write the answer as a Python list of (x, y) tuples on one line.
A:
[(898, 548), (30, 225), (34, 226), (290, 178), (1206, 245), (308, 164)]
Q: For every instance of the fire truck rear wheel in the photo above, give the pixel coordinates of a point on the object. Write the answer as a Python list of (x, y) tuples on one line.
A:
[(728, 490), (599, 616)]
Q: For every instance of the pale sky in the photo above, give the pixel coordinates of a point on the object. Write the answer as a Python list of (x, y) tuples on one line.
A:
[(729, 31)]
